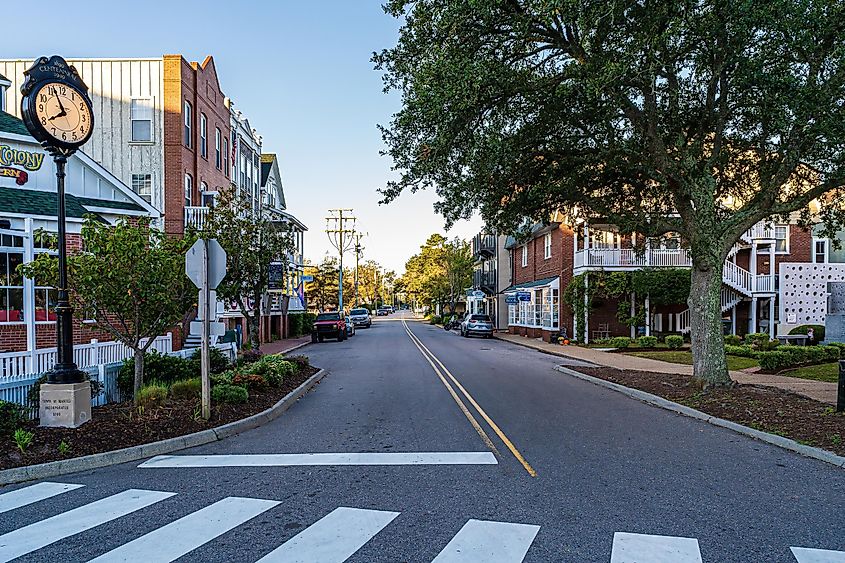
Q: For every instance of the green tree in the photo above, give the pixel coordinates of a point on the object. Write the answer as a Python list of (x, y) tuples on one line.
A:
[(440, 273), (130, 279), (698, 117), (323, 290), (252, 240)]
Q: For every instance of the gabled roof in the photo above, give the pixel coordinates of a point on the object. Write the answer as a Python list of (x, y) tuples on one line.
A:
[(270, 165), (11, 124), (43, 203)]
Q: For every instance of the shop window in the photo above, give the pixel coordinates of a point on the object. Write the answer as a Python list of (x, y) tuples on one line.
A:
[(142, 184), (11, 282), (141, 115), (782, 238)]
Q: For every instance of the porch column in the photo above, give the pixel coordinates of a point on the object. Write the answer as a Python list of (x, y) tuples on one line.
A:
[(733, 319), (752, 321), (29, 294), (586, 309), (772, 266), (771, 318), (633, 314), (752, 262), (647, 314), (647, 254)]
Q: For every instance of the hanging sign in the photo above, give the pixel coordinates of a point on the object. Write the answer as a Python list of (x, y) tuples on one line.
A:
[(511, 299), (524, 296), (478, 294), (277, 276)]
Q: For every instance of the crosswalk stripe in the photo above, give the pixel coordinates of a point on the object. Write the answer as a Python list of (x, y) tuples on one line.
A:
[(810, 555), (40, 534), (269, 460), (33, 493), (636, 548), (182, 536), (333, 538), (492, 542)]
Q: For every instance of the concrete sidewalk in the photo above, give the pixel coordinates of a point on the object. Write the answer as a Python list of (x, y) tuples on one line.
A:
[(286, 345), (818, 390)]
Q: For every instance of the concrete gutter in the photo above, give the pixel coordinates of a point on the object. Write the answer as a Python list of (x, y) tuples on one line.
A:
[(132, 453), (773, 439)]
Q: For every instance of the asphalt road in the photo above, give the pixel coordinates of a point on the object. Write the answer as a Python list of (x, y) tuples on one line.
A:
[(573, 462)]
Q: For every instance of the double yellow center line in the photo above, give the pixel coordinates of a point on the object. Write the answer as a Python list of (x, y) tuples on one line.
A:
[(440, 370)]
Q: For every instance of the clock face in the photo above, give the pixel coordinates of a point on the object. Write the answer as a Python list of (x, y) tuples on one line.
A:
[(63, 113)]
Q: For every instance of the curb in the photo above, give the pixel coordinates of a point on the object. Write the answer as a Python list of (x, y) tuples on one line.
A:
[(297, 347), (133, 453), (541, 350), (654, 400)]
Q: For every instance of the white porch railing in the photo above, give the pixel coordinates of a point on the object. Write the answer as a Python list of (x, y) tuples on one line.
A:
[(195, 217), (630, 258), (764, 283), (760, 231), (85, 355), (737, 277)]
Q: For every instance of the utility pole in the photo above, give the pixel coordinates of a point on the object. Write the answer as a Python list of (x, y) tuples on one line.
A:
[(340, 228), (358, 249)]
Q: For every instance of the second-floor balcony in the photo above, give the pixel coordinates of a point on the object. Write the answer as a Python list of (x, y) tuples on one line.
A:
[(195, 217), (484, 245), (631, 259), (485, 280)]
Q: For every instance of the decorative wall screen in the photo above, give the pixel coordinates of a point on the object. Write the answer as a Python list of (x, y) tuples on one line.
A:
[(836, 301), (803, 290)]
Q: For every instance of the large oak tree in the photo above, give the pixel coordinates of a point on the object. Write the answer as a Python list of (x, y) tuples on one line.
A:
[(700, 117)]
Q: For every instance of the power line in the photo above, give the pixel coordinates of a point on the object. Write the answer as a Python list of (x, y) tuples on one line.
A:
[(340, 228)]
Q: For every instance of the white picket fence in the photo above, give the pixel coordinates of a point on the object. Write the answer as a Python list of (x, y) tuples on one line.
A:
[(85, 355)]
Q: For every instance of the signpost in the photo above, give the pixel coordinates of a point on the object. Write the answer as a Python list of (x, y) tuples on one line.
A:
[(205, 265), (307, 278)]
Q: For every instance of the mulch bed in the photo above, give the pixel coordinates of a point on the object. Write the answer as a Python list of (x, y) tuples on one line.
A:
[(768, 409), (121, 425)]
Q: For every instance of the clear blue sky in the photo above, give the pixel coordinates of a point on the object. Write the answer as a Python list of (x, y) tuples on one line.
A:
[(301, 73)]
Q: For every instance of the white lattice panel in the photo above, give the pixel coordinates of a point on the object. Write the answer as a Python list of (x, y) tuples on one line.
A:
[(803, 290)]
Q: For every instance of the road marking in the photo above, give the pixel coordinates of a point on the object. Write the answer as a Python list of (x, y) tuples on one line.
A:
[(182, 536), (637, 548), (502, 436), (810, 555), (40, 534), (281, 460), (33, 493), (491, 542), (333, 538), (473, 422)]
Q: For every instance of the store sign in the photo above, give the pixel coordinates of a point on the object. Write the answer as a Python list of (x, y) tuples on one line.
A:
[(511, 299), (524, 296), (12, 161), (277, 276), (478, 294)]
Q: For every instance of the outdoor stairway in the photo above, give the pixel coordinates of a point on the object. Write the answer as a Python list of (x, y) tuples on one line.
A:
[(729, 299)]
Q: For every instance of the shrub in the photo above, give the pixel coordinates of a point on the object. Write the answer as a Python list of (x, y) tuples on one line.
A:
[(435, 320), (219, 362), (187, 389), (23, 438), (647, 341), (249, 356), (12, 416), (273, 368), (157, 367), (224, 378), (250, 381), (152, 396), (308, 322), (838, 348), (233, 394), (732, 340), (774, 360), (818, 331), (295, 324), (620, 342), (761, 341), (742, 351), (300, 362), (674, 341)]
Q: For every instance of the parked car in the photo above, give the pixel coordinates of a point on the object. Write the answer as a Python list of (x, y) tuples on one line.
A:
[(361, 317), (350, 326), (481, 325), (329, 325), (382, 312)]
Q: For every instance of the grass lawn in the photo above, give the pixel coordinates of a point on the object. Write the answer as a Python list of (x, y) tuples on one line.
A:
[(821, 372), (685, 357)]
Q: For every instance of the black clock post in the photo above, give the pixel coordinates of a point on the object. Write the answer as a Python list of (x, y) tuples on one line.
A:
[(56, 110)]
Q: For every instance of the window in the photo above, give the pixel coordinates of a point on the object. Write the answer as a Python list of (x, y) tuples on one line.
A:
[(524, 255), (11, 282), (226, 157), (142, 184), (820, 251), (2, 98), (547, 246), (189, 189), (141, 114), (782, 238), (203, 136), (217, 156), (189, 120)]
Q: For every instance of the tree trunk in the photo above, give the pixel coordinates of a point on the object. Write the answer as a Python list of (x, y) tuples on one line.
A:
[(708, 345), (139, 373), (254, 331)]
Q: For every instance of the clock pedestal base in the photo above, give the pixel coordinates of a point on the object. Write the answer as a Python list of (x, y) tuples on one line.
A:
[(65, 405)]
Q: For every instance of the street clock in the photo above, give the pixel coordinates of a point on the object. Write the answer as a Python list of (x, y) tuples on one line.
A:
[(56, 108)]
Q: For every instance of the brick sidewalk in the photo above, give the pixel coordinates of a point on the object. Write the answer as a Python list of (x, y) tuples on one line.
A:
[(284, 346), (818, 390)]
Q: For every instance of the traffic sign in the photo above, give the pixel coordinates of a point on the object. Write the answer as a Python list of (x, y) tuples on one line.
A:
[(216, 263), (214, 328), (307, 278)]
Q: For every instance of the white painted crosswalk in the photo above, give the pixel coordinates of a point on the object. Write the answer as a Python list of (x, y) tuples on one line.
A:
[(281, 460), (333, 538)]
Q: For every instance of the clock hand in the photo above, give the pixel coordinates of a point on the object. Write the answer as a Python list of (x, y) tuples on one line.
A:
[(61, 114), (58, 99)]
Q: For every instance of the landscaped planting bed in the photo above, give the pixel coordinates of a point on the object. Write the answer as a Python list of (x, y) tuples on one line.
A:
[(165, 411), (765, 408), (685, 357)]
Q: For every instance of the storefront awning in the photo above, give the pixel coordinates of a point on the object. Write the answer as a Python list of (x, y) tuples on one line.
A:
[(530, 285)]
